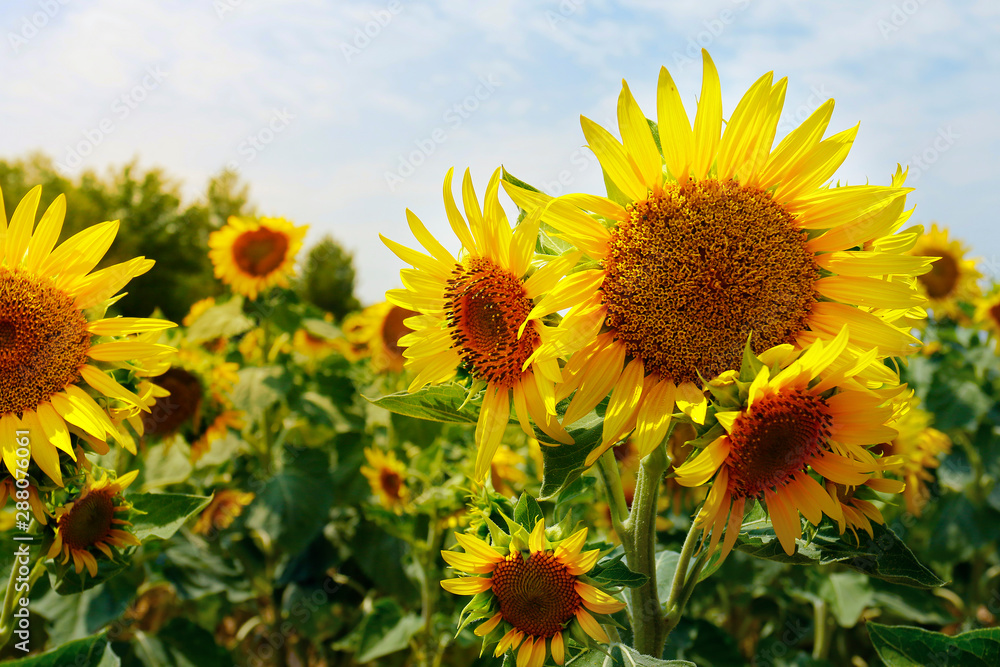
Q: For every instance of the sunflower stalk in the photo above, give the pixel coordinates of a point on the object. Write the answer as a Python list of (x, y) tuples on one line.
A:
[(648, 626), (617, 505)]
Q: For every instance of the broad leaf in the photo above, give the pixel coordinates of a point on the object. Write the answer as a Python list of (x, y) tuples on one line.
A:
[(160, 515), (224, 320), (904, 646), (624, 656), (440, 403), (883, 556), (90, 652)]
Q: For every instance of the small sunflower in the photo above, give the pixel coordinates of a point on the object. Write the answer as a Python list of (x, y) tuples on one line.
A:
[(475, 315), (507, 471), (222, 510), (705, 238), (953, 278), (536, 595), (89, 522), (794, 426), (198, 308), (988, 315), (378, 329), (918, 446), (387, 477), (252, 255), (58, 353)]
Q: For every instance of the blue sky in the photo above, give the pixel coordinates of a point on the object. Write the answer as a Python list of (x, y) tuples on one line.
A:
[(343, 114)]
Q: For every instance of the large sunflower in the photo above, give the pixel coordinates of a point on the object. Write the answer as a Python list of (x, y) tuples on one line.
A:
[(90, 522), (252, 255), (953, 278), (57, 354), (536, 595), (475, 315), (803, 420), (707, 238)]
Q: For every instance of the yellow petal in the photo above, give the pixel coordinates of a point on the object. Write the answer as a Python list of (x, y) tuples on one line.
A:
[(21, 224), (478, 548), (614, 160), (536, 541), (708, 121), (597, 600), (638, 139), (467, 585), (486, 628), (674, 126), (493, 418), (591, 626), (698, 470), (654, 416), (46, 234)]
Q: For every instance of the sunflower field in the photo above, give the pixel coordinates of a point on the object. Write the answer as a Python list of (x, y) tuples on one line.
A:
[(729, 411)]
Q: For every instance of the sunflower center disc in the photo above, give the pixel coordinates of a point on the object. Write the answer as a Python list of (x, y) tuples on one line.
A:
[(169, 413), (89, 521), (43, 341), (941, 280), (393, 329), (260, 252), (775, 440), (485, 305), (390, 482), (537, 596), (695, 269)]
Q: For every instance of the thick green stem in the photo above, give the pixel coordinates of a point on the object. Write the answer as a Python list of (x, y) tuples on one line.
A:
[(648, 629), (428, 595)]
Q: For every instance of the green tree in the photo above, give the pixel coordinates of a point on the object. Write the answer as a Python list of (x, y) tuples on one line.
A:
[(155, 223), (328, 278)]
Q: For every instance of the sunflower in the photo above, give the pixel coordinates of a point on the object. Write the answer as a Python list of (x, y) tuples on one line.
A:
[(57, 354), (507, 471), (252, 255), (181, 403), (474, 315), (222, 510), (953, 278), (387, 477), (536, 595), (918, 446), (795, 425), (988, 315), (705, 239), (377, 329), (89, 522)]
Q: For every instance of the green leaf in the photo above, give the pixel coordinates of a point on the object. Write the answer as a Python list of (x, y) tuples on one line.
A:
[(910, 604), (224, 320), (89, 652), (294, 504), (527, 512), (850, 593), (163, 513), (260, 388), (385, 630), (77, 616), (321, 328), (441, 403), (166, 463), (563, 464), (904, 646), (624, 656), (666, 566), (614, 572), (883, 556), (180, 643)]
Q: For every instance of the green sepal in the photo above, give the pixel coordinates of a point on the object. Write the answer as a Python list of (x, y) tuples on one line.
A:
[(751, 365), (527, 512), (614, 572)]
